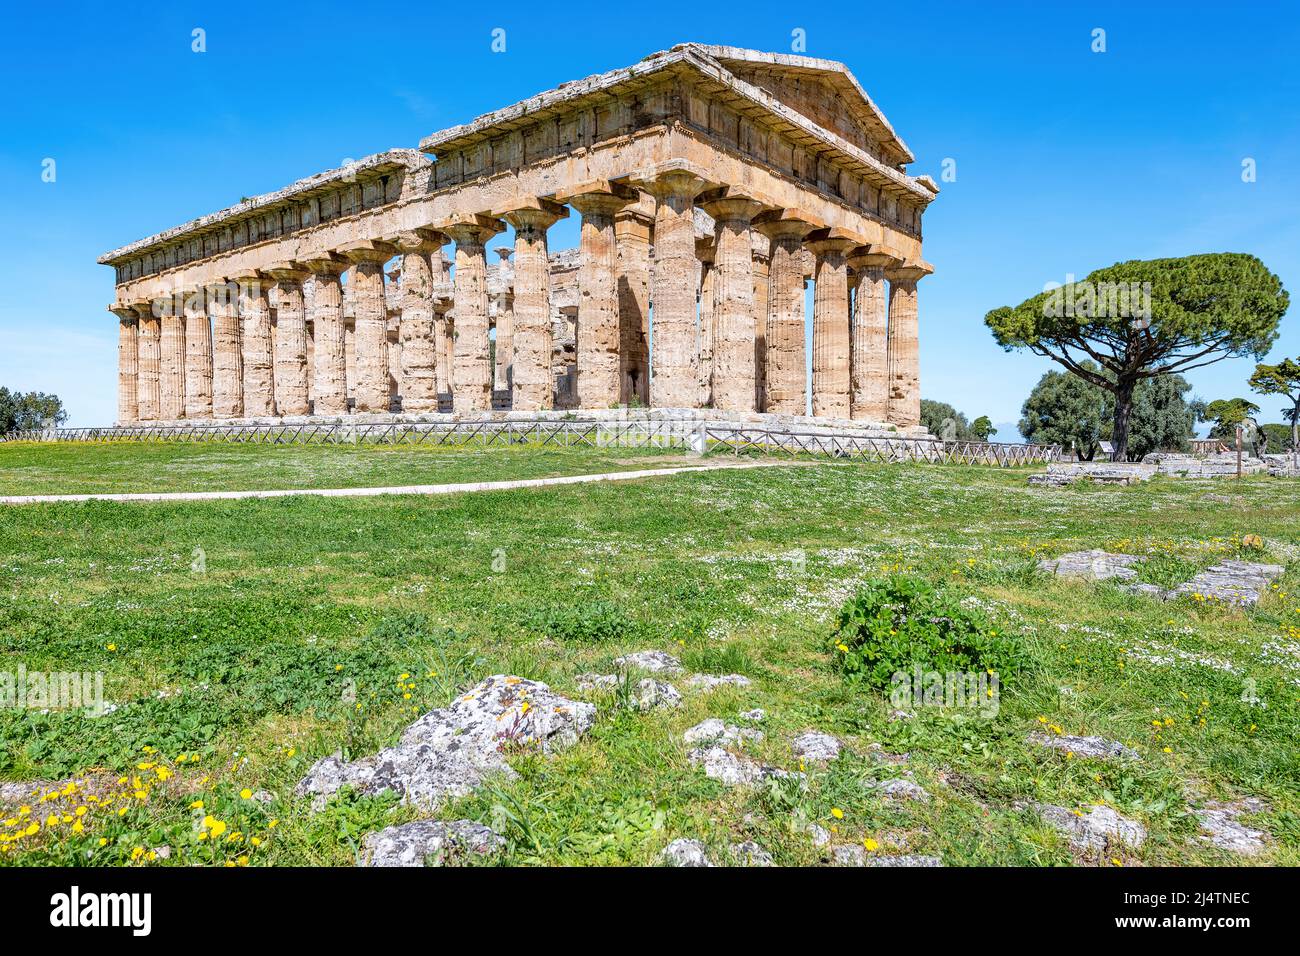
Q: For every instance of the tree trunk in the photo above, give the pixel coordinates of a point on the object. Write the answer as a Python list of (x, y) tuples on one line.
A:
[(1123, 407)]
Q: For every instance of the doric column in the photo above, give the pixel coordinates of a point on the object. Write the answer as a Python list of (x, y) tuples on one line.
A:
[(255, 325), (419, 369), (830, 392), (674, 286), (786, 375), (148, 399), (600, 375), (442, 304), (531, 336), (734, 376), (198, 356), (704, 251), (128, 356), (471, 374), (371, 390), (868, 360), (632, 241), (290, 338), (227, 350), (330, 368), (762, 271), (503, 355), (904, 345), (171, 383)]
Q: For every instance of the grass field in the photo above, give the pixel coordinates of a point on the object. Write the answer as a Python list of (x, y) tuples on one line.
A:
[(227, 630)]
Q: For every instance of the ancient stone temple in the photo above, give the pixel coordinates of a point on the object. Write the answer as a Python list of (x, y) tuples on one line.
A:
[(711, 185)]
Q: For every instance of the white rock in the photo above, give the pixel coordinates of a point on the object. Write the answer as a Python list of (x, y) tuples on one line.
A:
[(750, 853), (1098, 748), (685, 853), (817, 746), (708, 682), (651, 694), (901, 789), (1094, 830), (433, 841), (656, 662)]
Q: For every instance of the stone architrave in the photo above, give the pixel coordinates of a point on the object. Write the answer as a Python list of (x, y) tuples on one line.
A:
[(330, 368), (128, 362), (419, 355), (291, 375), (600, 375), (786, 376), (227, 350), (148, 397), (371, 391), (532, 339), (632, 230), (259, 361), (904, 357), (471, 373), (171, 383), (674, 286), (830, 372), (198, 356), (734, 375), (868, 360)]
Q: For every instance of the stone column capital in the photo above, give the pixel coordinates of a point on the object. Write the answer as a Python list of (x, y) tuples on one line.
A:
[(419, 240), (367, 250), (861, 258), (505, 252), (786, 222), (531, 212), (145, 308), (324, 264), (470, 228), (731, 204), (287, 271), (910, 272), (677, 178), (248, 280), (598, 196), (124, 312), (822, 242)]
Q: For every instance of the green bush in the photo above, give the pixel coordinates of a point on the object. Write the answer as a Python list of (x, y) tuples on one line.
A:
[(593, 623), (894, 624)]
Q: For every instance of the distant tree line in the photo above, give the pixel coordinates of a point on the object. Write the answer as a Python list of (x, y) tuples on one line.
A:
[(21, 411)]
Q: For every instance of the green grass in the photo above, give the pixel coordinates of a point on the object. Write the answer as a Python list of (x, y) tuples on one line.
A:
[(37, 468), (241, 658)]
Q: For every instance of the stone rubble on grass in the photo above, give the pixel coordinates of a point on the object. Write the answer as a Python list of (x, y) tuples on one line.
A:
[(896, 715), (880, 755), (1223, 829), (816, 746), (750, 853), (1095, 565), (656, 662), (714, 730), (757, 715), (438, 843), (1095, 830), (1059, 474), (708, 682), (450, 751), (590, 681), (819, 835), (650, 694), (900, 789), (906, 859), (1241, 583), (735, 771), (850, 854), (685, 853), (1092, 747)]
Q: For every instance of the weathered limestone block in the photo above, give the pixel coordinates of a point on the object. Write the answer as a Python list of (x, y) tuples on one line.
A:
[(419, 357), (255, 323), (600, 377), (290, 339), (830, 371), (869, 354), (227, 351), (533, 388), (470, 373), (330, 372), (149, 402), (785, 354), (632, 239), (198, 356), (171, 386), (674, 287), (128, 357), (734, 375), (371, 338), (904, 357)]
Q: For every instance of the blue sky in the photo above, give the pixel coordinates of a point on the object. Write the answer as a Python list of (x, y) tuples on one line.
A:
[(1066, 159)]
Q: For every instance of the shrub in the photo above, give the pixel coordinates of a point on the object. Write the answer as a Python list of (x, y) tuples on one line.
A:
[(897, 623)]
